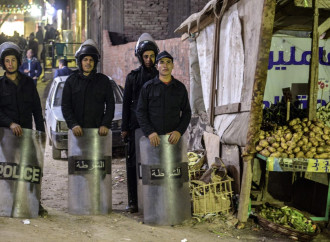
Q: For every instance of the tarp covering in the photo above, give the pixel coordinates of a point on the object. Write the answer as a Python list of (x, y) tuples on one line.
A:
[(196, 91), (236, 133), (236, 66), (205, 54), (231, 59), (231, 66)]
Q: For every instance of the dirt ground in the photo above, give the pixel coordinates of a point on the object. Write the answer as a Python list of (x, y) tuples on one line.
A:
[(59, 225)]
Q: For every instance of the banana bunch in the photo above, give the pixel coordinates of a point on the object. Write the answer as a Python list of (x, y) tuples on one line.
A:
[(193, 157), (195, 160)]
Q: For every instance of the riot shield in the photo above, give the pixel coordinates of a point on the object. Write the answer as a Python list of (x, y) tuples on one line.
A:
[(166, 198), (21, 165), (90, 173), (138, 135)]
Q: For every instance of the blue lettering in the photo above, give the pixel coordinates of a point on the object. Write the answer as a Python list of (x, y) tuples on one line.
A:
[(266, 104), (302, 99), (305, 58)]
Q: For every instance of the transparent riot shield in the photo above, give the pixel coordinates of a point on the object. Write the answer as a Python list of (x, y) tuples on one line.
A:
[(166, 198), (138, 135), (90, 173), (21, 166)]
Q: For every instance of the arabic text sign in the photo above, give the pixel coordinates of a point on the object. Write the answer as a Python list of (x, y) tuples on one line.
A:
[(88, 165), (79, 165), (298, 164), (289, 62), (160, 173)]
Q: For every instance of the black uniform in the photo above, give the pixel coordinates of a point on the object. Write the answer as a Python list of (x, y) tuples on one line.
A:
[(134, 82), (19, 103), (88, 101), (163, 108)]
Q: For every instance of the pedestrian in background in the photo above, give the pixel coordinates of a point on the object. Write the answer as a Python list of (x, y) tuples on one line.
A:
[(63, 69), (31, 66), (33, 44), (40, 38)]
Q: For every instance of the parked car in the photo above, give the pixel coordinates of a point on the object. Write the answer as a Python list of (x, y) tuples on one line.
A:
[(56, 127)]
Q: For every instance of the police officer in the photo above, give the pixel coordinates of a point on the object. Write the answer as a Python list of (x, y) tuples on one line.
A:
[(19, 99), (163, 106), (146, 51), (87, 99)]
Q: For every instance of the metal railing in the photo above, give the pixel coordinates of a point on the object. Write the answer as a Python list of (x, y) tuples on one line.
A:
[(59, 50)]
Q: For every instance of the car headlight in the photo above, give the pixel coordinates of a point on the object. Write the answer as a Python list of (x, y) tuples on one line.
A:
[(61, 126)]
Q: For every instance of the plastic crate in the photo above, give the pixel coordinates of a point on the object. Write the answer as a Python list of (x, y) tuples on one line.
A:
[(212, 198), (195, 174)]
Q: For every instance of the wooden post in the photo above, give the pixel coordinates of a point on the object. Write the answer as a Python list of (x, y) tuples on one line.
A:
[(215, 63), (288, 105), (314, 67), (215, 69), (255, 120)]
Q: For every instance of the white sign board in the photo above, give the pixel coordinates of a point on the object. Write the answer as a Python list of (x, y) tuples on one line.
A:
[(289, 61)]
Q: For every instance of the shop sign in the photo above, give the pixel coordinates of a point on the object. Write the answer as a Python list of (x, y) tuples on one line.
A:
[(289, 62)]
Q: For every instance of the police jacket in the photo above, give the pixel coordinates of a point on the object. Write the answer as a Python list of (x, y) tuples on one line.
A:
[(134, 82), (88, 101), (163, 108), (19, 103), (33, 66)]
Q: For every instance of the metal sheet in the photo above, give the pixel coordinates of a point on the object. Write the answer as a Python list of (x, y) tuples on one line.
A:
[(166, 202), (21, 164), (90, 174)]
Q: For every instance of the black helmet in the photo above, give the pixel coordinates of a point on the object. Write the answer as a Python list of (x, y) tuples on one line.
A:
[(145, 42), (10, 48), (88, 48)]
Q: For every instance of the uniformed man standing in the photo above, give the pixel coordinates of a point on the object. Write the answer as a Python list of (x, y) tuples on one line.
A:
[(146, 51), (87, 99), (163, 106), (19, 99)]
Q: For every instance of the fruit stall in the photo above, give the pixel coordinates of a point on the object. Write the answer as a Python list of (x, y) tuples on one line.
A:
[(261, 73)]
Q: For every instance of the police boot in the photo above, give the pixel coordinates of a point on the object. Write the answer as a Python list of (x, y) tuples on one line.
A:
[(43, 213)]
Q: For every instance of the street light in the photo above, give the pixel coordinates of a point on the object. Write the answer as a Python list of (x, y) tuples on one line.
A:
[(35, 11)]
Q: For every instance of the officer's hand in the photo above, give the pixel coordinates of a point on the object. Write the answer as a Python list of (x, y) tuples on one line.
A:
[(16, 128), (174, 137), (77, 131), (124, 134), (103, 130), (154, 139), (26, 71)]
